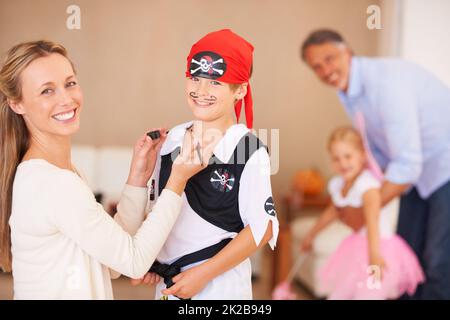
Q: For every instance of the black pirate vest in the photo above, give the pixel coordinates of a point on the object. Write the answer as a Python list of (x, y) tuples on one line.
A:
[(213, 194)]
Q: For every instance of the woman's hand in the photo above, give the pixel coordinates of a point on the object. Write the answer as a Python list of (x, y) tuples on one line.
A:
[(150, 279), (192, 159), (144, 159), (188, 283)]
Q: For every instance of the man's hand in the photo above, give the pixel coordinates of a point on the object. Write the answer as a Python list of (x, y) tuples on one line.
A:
[(353, 217)]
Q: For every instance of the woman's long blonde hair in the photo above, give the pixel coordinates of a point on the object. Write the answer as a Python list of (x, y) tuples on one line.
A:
[(14, 135)]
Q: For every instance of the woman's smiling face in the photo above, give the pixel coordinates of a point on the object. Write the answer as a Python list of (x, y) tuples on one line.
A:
[(51, 97)]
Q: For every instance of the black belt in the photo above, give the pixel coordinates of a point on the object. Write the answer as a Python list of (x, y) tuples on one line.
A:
[(168, 271)]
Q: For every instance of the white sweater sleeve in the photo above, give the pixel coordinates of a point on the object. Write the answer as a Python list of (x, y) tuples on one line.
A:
[(131, 208), (130, 212), (77, 215)]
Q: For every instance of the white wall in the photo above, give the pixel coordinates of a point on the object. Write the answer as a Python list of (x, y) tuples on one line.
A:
[(425, 35), (389, 34)]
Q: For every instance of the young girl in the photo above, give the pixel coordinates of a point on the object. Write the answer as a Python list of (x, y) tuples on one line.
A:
[(227, 210), (59, 242), (372, 263)]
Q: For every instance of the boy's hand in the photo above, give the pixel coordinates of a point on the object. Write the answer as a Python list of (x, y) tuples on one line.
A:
[(188, 283), (150, 279)]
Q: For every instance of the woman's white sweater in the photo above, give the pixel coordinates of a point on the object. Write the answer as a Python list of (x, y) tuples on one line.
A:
[(64, 244)]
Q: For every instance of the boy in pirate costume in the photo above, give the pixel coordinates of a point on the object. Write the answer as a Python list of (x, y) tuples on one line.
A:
[(228, 211)]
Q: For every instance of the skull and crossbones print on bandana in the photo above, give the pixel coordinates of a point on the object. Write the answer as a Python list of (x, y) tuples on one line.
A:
[(224, 56)]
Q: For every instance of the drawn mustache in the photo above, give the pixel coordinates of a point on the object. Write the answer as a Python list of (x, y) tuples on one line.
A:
[(208, 99)]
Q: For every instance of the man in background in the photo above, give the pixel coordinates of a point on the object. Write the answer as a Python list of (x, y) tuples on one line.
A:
[(407, 119)]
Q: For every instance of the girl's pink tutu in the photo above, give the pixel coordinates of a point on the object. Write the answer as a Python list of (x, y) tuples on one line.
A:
[(346, 274)]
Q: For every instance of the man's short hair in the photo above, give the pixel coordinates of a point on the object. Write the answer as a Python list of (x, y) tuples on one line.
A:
[(321, 36)]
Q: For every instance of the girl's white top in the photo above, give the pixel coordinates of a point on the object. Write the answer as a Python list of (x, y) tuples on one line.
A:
[(354, 197)]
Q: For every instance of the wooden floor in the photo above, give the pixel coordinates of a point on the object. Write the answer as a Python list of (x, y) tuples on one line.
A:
[(124, 291)]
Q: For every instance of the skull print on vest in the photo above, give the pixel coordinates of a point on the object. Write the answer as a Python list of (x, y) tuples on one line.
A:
[(213, 192)]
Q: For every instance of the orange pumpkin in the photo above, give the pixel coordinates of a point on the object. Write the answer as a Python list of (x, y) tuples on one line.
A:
[(309, 182)]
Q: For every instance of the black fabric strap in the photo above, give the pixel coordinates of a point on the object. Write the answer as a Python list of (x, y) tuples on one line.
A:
[(167, 272)]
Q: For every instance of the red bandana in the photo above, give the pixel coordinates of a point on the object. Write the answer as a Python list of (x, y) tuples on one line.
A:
[(223, 55)]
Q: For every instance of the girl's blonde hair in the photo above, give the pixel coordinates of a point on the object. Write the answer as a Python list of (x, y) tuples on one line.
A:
[(14, 135), (346, 134)]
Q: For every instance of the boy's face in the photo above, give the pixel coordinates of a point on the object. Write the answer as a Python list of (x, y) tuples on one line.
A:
[(211, 100)]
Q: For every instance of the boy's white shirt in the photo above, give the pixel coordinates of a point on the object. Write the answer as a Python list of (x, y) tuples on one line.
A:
[(192, 233)]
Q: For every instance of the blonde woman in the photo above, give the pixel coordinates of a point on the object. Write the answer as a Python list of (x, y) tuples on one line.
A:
[(59, 242)]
